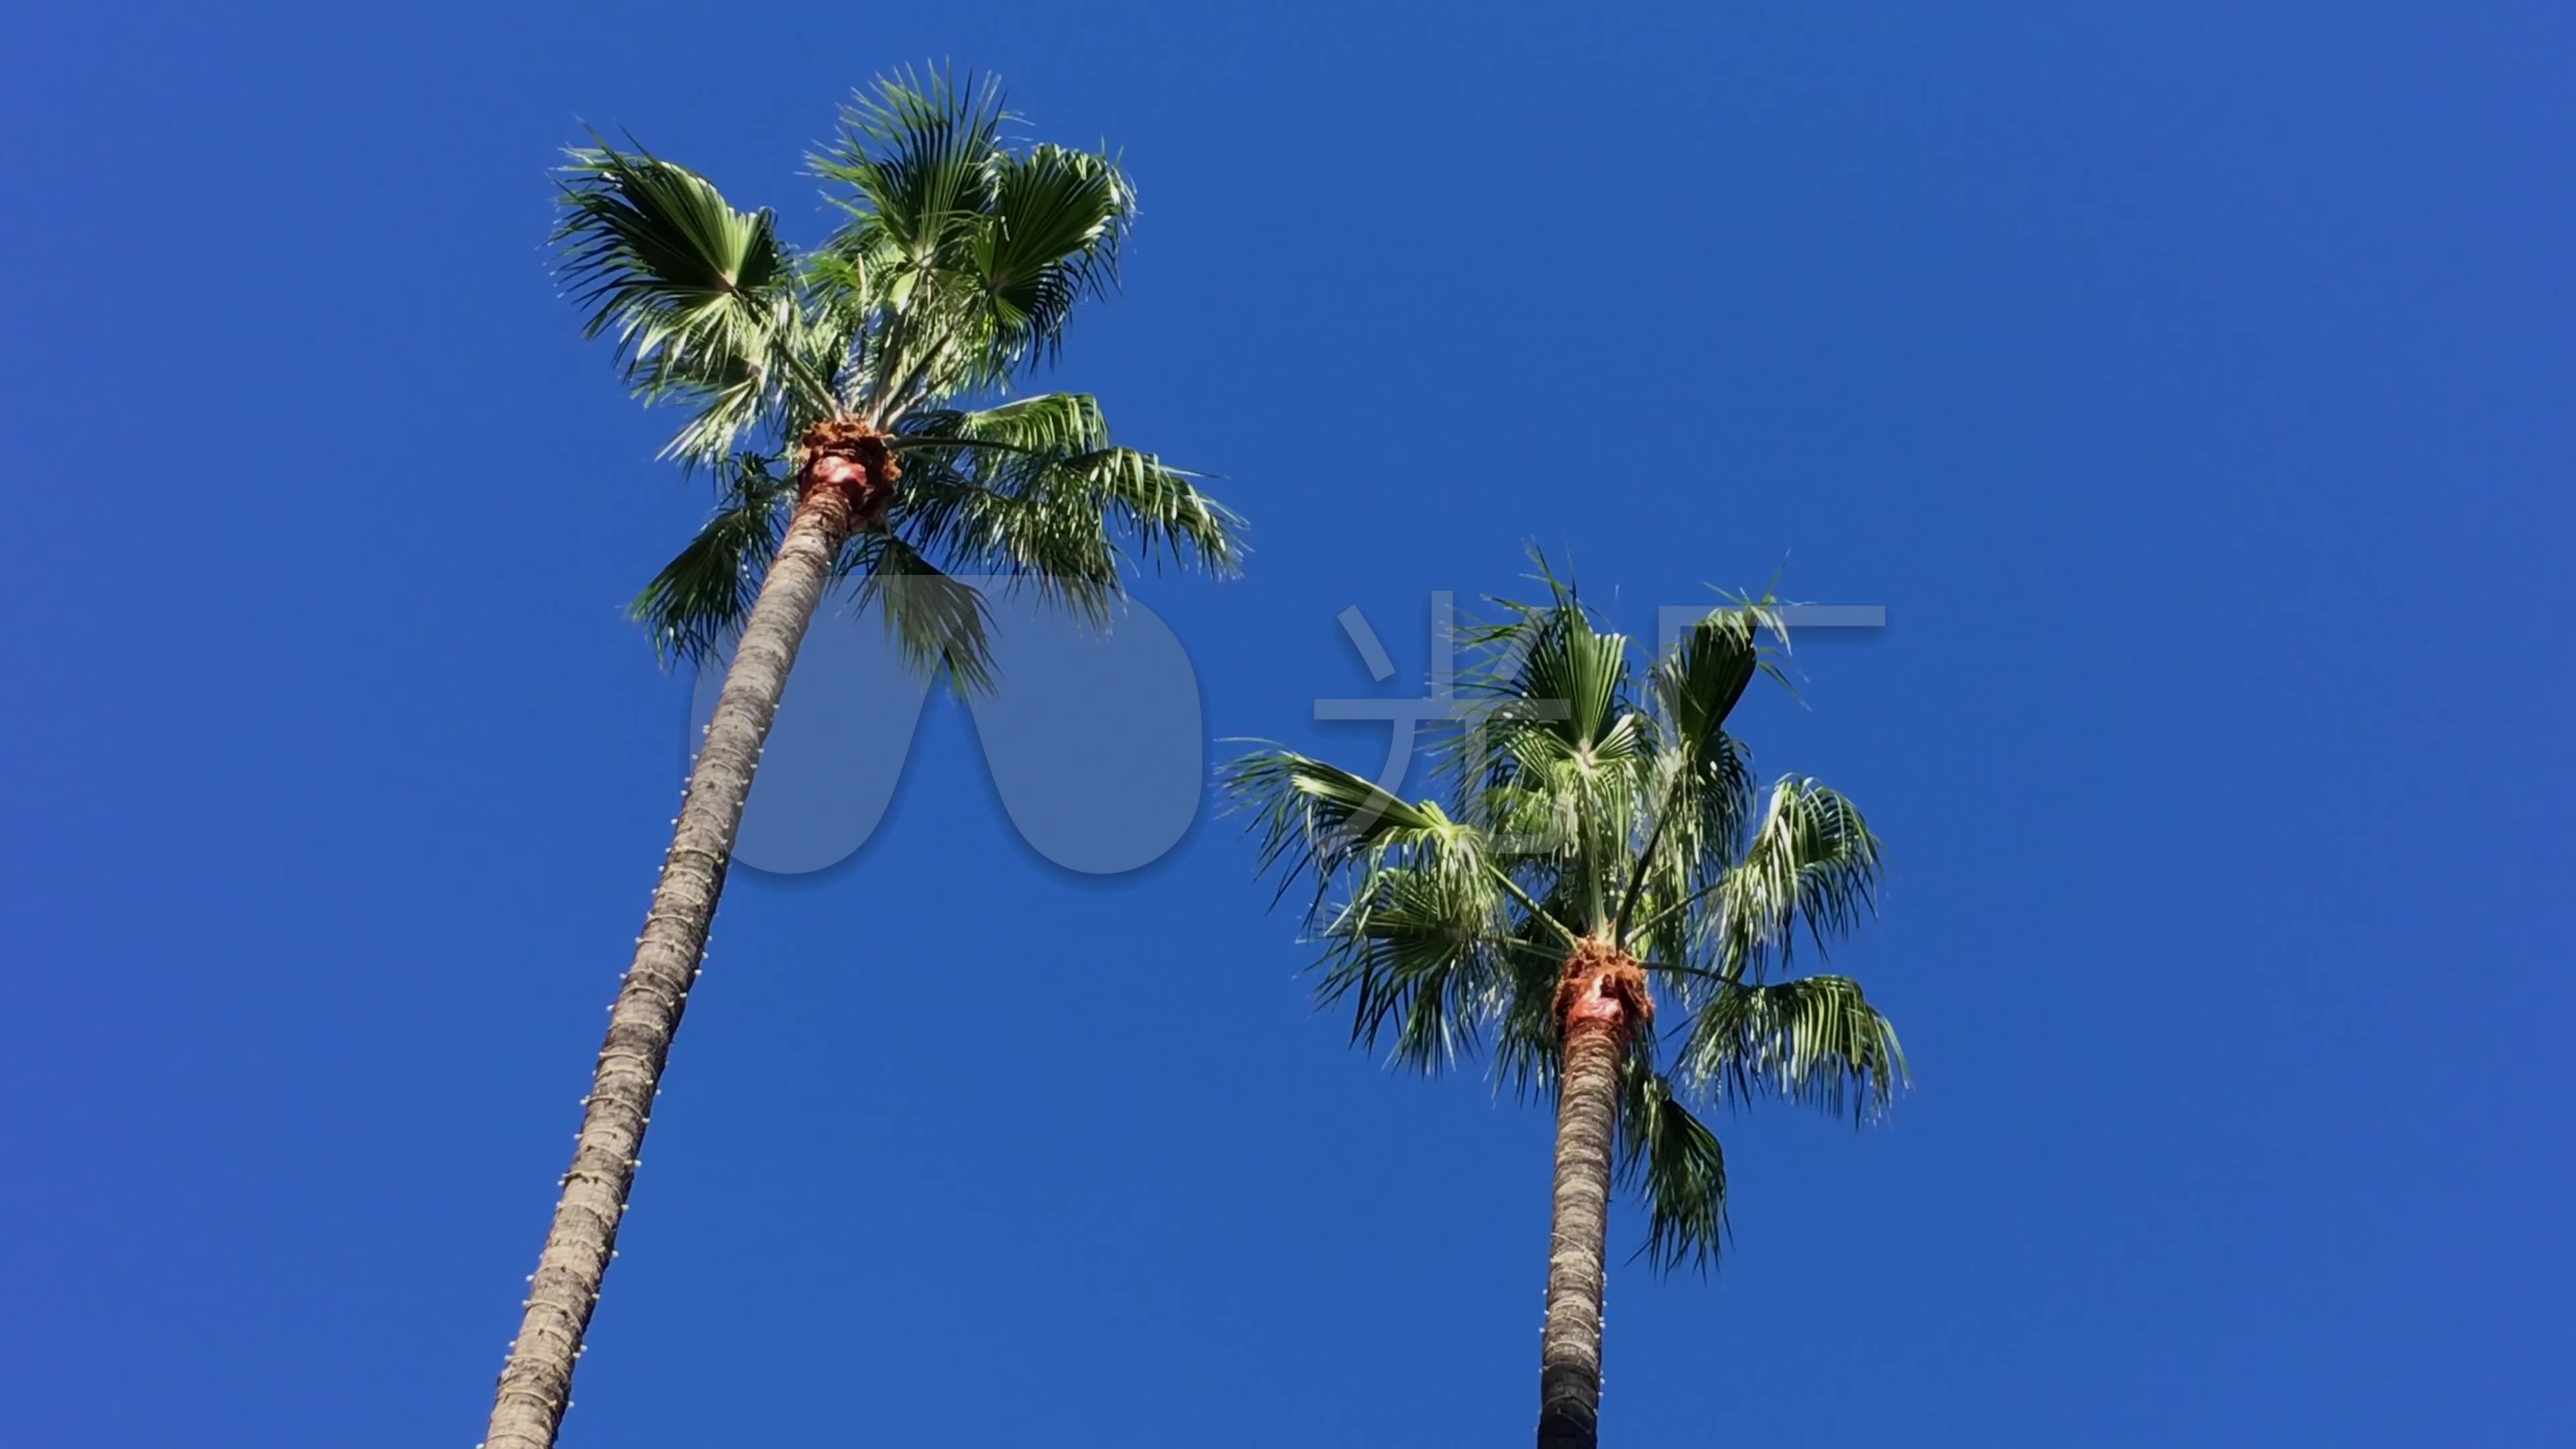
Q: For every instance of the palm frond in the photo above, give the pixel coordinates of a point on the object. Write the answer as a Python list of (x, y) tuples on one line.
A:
[(1698, 683), (918, 152), (1416, 957), (1814, 1040), (696, 292), (1052, 240), (1548, 670), (1164, 516), (1034, 493), (1812, 860), (1318, 820), (1677, 1163), (698, 602), (940, 625), (1054, 424)]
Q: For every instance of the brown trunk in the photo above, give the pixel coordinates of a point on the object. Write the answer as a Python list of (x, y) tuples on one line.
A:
[(1601, 1001), (536, 1382)]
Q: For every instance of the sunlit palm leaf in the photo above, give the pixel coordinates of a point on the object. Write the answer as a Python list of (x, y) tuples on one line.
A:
[(1031, 494), (1812, 860), (920, 153), (1552, 657), (1316, 820)]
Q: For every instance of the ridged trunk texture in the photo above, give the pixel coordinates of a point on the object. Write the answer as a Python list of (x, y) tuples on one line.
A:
[(1600, 1000), (536, 1382)]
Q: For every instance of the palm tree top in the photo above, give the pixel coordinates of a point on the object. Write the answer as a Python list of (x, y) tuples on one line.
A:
[(1596, 806), (882, 363)]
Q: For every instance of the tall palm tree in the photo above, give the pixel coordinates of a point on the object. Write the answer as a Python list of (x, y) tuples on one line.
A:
[(851, 401), (1604, 842)]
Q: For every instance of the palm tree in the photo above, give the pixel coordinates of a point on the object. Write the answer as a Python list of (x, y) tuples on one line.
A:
[(1604, 841), (851, 401)]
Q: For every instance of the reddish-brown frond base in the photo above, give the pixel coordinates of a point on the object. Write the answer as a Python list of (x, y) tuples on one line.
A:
[(1603, 985), (851, 459)]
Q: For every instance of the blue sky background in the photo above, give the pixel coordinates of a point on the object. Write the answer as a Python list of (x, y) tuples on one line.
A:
[(2190, 382)]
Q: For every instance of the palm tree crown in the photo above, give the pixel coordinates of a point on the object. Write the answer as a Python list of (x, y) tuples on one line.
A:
[(879, 365), (1603, 834)]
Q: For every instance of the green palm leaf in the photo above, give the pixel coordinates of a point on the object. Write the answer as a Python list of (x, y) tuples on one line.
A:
[(1058, 217), (697, 293), (1318, 820), (1677, 1164), (940, 624), (1813, 860), (700, 598), (1814, 1040), (1416, 959)]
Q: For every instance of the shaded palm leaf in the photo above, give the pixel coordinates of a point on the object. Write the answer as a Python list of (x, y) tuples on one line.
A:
[(699, 600), (1677, 1163), (940, 624)]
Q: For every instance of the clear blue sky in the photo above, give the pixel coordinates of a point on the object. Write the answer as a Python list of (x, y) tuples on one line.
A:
[(2191, 384)]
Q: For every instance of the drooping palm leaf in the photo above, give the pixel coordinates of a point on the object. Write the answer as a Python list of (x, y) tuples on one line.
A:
[(940, 624), (1814, 1040), (700, 598), (1416, 958), (1677, 1164)]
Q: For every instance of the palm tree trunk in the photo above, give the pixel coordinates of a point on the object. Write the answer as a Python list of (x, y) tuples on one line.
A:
[(1569, 1382), (536, 1382)]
